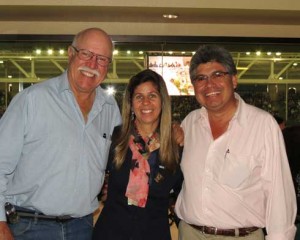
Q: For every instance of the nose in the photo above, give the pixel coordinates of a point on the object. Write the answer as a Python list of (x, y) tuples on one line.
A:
[(92, 63), (209, 82), (145, 100)]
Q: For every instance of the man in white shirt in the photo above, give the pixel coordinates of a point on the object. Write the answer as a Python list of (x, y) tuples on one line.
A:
[(236, 174)]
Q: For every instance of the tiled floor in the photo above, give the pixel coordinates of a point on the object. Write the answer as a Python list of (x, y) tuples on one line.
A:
[(174, 231)]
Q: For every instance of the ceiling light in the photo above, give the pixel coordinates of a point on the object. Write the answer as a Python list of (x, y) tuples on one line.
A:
[(269, 53), (38, 51), (61, 51), (247, 53), (170, 16), (295, 64), (50, 51), (115, 52)]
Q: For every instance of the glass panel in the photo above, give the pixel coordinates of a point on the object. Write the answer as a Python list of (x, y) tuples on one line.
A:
[(269, 72)]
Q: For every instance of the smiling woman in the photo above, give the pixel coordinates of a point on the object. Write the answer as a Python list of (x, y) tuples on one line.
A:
[(146, 105), (143, 165)]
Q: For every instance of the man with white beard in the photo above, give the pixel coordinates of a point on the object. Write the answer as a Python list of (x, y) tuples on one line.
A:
[(54, 141)]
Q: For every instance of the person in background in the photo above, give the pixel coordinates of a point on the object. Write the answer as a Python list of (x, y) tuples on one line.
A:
[(291, 136), (236, 173), (280, 121), (54, 140), (143, 165)]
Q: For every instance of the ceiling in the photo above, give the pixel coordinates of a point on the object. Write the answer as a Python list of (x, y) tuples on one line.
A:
[(256, 18), (147, 14)]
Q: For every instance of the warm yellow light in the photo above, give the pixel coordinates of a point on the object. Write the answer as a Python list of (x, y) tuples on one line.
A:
[(170, 16)]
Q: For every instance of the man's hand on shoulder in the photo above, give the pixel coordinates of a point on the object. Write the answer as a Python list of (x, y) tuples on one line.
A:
[(178, 133)]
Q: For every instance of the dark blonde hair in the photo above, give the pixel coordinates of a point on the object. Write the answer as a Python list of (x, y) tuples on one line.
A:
[(168, 151)]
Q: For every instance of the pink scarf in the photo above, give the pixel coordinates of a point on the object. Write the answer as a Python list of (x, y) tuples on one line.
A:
[(138, 184)]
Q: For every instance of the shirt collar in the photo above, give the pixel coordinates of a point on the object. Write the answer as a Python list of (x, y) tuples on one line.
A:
[(239, 115)]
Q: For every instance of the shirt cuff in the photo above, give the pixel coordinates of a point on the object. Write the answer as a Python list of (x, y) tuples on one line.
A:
[(288, 235)]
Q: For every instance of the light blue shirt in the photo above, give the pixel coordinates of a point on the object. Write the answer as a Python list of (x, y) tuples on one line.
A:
[(50, 159)]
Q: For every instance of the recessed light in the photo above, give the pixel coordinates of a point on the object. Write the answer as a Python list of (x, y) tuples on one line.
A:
[(170, 16)]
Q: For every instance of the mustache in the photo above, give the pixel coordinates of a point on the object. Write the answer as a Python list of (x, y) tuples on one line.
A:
[(87, 69)]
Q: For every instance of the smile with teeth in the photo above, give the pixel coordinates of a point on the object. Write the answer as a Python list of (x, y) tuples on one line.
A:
[(147, 111), (88, 74), (212, 94)]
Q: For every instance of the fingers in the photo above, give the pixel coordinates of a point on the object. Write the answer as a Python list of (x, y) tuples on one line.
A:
[(178, 134)]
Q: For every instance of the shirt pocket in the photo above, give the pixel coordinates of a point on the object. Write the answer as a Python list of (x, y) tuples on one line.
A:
[(236, 170), (103, 147)]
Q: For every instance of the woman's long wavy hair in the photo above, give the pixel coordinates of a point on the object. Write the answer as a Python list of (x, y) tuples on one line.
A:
[(168, 151)]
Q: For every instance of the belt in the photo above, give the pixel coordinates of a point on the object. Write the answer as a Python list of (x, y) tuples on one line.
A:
[(42, 216), (13, 214), (237, 232)]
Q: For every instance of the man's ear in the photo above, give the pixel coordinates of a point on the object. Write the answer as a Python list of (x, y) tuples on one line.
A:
[(234, 81)]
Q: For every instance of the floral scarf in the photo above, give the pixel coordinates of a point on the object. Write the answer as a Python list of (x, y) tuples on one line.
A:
[(139, 176)]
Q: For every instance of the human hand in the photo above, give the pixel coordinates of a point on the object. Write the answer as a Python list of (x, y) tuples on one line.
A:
[(178, 133), (103, 192), (5, 233)]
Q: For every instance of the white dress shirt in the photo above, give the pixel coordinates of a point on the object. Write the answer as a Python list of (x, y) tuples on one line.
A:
[(241, 179)]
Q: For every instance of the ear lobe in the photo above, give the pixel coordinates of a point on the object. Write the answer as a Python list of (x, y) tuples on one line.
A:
[(234, 81), (70, 52)]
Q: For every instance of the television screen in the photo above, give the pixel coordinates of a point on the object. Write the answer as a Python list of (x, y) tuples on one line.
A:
[(175, 71)]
